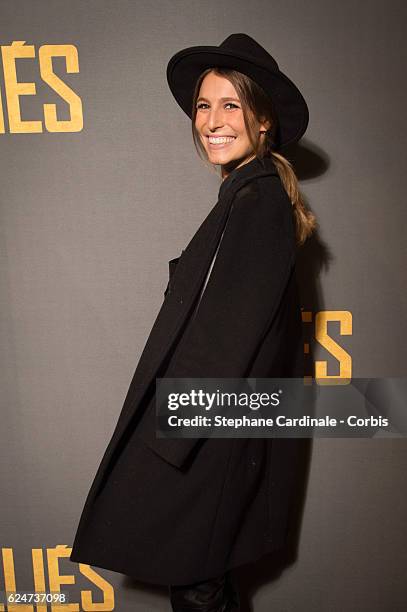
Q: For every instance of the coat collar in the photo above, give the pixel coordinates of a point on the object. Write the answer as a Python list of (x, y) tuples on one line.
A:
[(253, 168)]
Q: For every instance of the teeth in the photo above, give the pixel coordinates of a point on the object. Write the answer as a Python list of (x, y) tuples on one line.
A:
[(220, 139)]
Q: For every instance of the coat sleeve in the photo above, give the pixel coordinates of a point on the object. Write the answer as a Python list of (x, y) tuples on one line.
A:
[(248, 278)]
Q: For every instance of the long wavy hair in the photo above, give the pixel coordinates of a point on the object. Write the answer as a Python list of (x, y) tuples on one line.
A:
[(258, 108)]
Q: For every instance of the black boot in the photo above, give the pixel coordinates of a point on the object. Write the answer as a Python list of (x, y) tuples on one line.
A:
[(214, 595)]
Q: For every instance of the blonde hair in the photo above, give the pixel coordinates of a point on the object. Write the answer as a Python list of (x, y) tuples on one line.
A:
[(257, 108)]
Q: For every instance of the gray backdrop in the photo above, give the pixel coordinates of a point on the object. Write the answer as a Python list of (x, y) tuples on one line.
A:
[(85, 241)]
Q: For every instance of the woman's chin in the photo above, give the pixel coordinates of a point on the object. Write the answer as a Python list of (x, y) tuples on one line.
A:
[(219, 158)]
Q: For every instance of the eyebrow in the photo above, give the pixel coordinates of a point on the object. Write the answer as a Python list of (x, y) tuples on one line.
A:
[(222, 99)]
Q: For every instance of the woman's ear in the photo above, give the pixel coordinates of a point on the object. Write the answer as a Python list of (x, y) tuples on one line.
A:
[(264, 125)]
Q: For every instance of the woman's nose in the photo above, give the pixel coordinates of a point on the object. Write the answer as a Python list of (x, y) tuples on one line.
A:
[(215, 118)]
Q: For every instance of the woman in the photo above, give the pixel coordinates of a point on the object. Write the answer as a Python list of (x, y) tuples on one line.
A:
[(185, 512)]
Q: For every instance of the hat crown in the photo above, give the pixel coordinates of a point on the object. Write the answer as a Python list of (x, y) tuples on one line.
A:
[(243, 43)]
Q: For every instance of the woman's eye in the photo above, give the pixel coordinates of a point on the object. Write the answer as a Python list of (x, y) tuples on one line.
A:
[(203, 104)]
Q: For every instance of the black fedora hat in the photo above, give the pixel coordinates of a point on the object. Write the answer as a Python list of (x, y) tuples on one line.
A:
[(242, 53)]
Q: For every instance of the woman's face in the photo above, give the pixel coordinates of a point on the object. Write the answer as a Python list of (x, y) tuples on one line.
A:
[(220, 124)]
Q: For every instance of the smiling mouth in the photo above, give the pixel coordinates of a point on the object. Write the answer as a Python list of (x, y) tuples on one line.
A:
[(220, 141)]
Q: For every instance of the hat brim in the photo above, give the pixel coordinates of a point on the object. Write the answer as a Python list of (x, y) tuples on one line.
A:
[(185, 67)]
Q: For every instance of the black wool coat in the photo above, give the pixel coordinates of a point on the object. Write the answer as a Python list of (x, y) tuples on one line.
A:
[(177, 511)]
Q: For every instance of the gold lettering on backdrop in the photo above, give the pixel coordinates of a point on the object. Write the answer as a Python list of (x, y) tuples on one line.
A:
[(14, 89), (344, 317), (56, 580), (2, 130), (10, 580), (104, 586), (45, 54), (39, 575)]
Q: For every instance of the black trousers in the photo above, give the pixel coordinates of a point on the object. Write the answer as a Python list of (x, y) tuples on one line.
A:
[(218, 594)]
